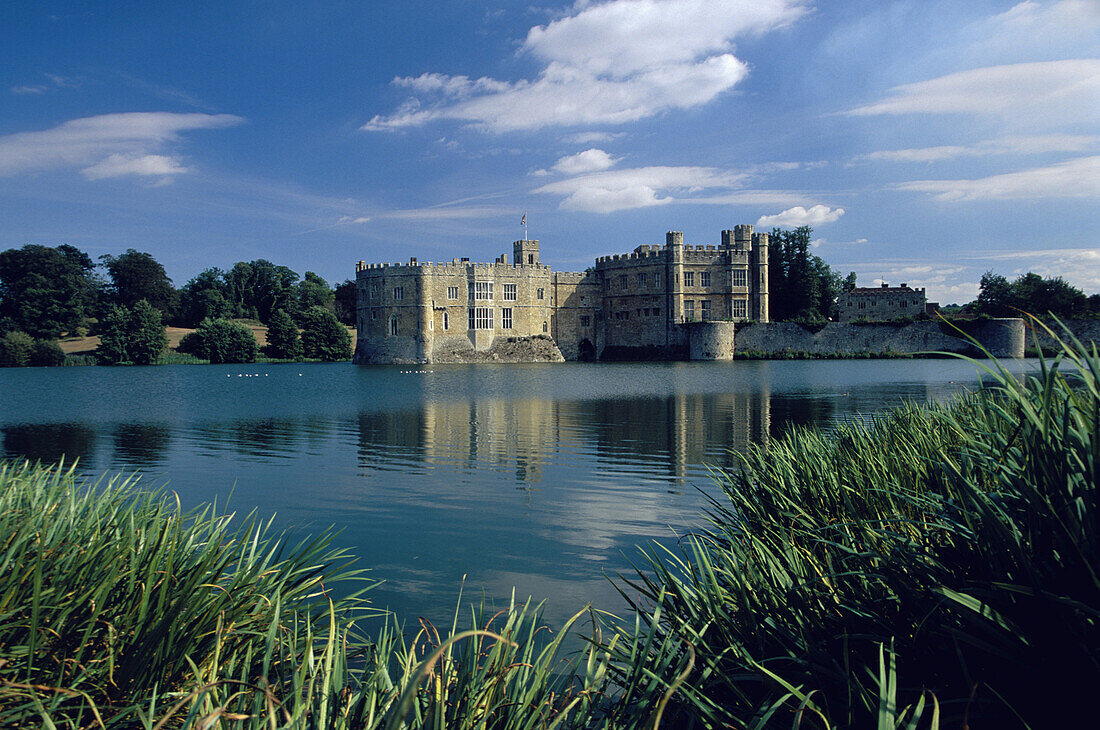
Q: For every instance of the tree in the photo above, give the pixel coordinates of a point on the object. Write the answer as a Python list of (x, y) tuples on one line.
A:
[(258, 288), (136, 275), (16, 349), (345, 302), (323, 337), (131, 335), (282, 337), (46, 291), (313, 291), (1031, 294), (221, 341), (204, 296), (47, 353), (800, 284)]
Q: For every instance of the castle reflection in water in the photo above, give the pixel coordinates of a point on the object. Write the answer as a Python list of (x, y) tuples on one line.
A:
[(670, 434)]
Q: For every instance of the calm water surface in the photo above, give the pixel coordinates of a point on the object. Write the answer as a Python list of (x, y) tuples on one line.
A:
[(541, 477)]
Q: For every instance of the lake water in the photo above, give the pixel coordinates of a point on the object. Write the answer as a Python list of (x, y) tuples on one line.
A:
[(540, 477)]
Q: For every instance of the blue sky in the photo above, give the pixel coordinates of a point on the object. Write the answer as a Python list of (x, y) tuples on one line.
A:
[(925, 142)]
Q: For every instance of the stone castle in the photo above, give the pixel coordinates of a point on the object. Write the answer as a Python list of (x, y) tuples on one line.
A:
[(670, 302)]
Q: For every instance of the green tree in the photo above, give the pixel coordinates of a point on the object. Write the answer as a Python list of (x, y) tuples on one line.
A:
[(206, 295), (313, 291), (16, 349), (323, 337), (345, 302), (800, 284), (46, 291), (136, 275), (258, 288), (221, 341), (1031, 294), (282, 337), (131, 335), (47, 353)]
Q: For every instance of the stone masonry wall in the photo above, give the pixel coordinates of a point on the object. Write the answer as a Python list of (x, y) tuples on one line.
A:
[(841, 338)]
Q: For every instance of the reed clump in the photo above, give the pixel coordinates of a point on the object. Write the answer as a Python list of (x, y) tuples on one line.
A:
[(940, 566), (119, 610)]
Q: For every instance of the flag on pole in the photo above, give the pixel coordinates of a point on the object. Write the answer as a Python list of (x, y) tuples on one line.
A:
[(524, 221)]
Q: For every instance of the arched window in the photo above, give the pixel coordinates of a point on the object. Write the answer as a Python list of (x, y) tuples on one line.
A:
[(393, 325)]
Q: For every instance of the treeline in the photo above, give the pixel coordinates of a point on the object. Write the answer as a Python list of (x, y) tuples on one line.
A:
[(48, 292), (1031, 293)]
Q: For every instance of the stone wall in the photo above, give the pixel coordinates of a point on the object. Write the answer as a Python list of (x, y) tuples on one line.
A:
[(1086, 330), (836, 338)]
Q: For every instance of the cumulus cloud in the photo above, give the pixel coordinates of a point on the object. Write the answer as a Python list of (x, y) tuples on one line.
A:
[(798, 216), (1021, 145), (1079, 178), (640, 187), (1058, 91), (108, 145), (605, 63), (591, 160)]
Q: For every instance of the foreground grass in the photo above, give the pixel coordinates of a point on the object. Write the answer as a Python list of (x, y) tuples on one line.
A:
[(938, 568)]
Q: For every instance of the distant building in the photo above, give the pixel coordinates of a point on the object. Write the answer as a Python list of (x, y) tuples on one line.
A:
[(881, 303), (644, 302)]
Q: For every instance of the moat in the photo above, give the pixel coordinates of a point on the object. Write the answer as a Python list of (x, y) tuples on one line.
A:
[(542, 477)]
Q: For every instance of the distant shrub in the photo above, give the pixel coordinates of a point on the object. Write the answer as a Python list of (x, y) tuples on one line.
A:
[(282, 337), (323, 337), (72, 360), (16, 349), (221, 341), (47, 353), (135, 335)]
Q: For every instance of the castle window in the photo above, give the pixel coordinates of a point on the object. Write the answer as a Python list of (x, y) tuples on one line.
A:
[(481, 291), (509, 293), (641, 280), (704, 309), (544, 327), (398, 293), (586, 321), (481, 318), (530, 258), (539, 293), (393, 326), (739, 277), (446, 321), (904, 303), (689, 310), (622, 282), (374, 314), (704, 278), (689, 278), (740, 308), (452, 292), (506, 315), (657, 280)]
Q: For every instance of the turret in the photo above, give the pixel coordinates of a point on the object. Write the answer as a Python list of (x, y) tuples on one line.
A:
[(526, 253), (758, 270)]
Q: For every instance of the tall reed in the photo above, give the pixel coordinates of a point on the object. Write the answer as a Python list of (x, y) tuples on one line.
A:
[(945, 558)]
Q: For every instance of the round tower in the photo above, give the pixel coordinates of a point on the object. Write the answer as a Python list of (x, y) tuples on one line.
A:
[(759, 274)]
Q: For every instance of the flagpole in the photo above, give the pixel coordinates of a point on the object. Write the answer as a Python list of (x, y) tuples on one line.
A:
[(524, 226)]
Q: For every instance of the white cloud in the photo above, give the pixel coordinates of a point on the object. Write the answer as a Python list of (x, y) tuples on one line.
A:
[(121, 165), (798, 216), (1049, 91), (1078, 178), (640, 187), (1048, 21), (35, 89), (1021, 145), (607, 63), (592, 137), (110, 145), (591, 160)]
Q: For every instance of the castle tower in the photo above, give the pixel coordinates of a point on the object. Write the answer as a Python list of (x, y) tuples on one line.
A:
[(759, 273), (424, 334), (674, 243), (526, 253)]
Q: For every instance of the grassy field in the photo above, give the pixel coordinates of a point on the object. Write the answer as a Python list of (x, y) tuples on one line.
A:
[(88, 345)]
